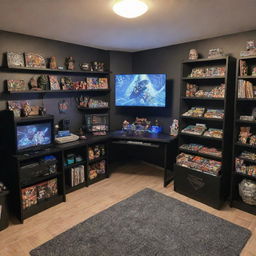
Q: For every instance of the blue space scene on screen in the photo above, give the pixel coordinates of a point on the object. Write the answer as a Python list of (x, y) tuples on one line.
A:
[(144, 90), (33, 135)]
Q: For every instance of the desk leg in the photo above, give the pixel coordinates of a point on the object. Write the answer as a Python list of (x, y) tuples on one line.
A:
[(167, 179)]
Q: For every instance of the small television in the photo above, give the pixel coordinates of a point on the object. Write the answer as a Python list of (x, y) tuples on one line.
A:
[(26, 134), (33, 135), (140, 90)]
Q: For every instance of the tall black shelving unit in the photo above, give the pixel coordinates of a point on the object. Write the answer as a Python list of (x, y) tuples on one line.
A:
[(243, 106), (209, 189)]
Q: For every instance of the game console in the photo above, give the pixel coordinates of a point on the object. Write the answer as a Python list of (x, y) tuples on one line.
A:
[(65, 139)]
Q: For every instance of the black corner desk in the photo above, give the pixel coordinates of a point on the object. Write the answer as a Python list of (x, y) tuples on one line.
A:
[(158, 141)]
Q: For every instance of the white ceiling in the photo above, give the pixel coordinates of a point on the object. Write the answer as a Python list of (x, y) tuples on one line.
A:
[(93, 23)]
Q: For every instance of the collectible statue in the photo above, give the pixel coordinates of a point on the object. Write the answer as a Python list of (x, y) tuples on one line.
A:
[(53, 63), (70, 63), (125, 124), (43, 82), (86, 66), (33, 84), (42, 111), (98, 66), (193, 55), (250, 45), (174, 128), (66, 83), (26, 109)]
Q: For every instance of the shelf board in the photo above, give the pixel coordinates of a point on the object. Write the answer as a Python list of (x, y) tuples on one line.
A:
[(246, 99), (245, 176), (97, 160), (247, 160), (248, 57), (202, 98), (222, 58), (92, 109), (245, 122), (201, 136), (57, 91), (74, 188), (245, 145), (239, 204), (201, 154), (43, 205), (202, 118), (203, 78), (246, 77), (97, 179), (50, 71), (74, 165), (32, 118), (40, 179)]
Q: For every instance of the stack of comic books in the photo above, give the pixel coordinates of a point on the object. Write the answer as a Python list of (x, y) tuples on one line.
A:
[(199, 163), (77, 175)]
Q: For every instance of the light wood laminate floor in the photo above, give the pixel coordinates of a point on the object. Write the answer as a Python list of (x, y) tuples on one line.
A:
[(126, 180)]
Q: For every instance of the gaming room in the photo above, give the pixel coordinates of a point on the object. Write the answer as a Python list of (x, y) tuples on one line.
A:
[(128, 127)]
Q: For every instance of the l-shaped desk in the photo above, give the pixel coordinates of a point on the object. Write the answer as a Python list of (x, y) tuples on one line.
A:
[(166, 142)]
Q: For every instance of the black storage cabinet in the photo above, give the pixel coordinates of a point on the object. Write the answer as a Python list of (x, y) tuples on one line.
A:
[(4, 219)]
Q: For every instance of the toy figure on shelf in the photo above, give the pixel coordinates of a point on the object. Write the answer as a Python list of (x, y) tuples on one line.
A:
[(43, 82), (193, 55), (33, 84), (66, 83), (125, 124), (90, 153), (174, 128), (70, 63), (53, 63)]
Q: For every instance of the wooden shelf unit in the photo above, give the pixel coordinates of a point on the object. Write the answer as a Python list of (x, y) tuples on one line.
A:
[(242, 106), (206, 188)]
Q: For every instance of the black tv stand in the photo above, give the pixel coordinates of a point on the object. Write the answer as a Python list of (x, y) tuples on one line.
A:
[(39, 151)]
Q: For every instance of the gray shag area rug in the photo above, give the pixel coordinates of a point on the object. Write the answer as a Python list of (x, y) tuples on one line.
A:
[(148, 223)]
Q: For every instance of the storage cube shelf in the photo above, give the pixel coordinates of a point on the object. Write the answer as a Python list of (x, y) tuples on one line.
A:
[(199, 185)]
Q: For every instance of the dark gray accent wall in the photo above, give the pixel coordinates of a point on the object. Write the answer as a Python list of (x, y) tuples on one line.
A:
[(23, 43), (168, 60), (121, 63)]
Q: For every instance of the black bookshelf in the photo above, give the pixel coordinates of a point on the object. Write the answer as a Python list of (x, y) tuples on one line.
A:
[(209, 189), (242, 106)]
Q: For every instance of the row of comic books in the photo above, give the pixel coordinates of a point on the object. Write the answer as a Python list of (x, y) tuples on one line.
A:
[(246, 89), (77, 175), (202, 112), (202, 149), (201, 129), (208, 72), (192, 90), (199, 163), (39, 192)]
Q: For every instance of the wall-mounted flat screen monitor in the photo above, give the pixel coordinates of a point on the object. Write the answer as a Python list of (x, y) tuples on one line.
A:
[(140, 90)]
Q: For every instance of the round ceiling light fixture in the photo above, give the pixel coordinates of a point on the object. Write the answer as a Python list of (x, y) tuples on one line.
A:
[(130, 8)]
